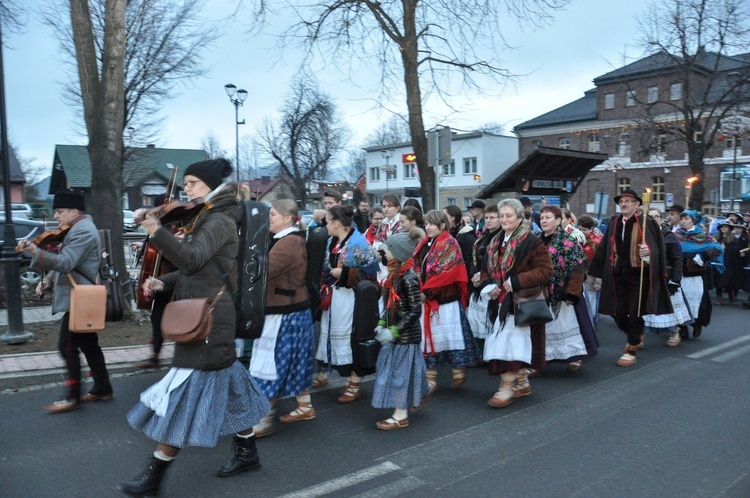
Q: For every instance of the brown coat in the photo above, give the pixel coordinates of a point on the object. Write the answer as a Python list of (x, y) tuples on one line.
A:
[(287, 266)]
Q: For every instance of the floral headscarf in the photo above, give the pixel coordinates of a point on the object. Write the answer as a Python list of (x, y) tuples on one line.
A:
[(567, 259)]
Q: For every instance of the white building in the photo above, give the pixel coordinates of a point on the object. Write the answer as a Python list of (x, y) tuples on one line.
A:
[(477, 158)]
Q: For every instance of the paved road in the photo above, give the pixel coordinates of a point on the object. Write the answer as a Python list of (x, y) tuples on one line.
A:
[(675, 424)]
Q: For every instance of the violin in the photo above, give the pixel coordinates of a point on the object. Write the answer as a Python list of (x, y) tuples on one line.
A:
[(177, 211), (49, 238)]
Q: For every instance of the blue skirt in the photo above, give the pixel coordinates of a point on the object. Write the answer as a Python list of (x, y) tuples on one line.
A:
[(458, 358), (401, 380), (208, 404), (294, 357)]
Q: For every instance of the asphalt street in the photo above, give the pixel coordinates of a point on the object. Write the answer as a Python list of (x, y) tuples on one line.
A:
[(673, 425)]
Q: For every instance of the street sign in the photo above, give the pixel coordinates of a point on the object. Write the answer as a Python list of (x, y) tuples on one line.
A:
[(669, 198), (408, 158)]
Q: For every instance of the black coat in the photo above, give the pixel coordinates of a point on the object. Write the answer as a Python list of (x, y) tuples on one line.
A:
[(408, 309)]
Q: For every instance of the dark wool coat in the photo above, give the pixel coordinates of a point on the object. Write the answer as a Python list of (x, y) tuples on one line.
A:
[(214, 238), (603, 266)]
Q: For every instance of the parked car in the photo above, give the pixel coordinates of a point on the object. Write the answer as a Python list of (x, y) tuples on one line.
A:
[(128, 221), (19, 210), (26, 229)]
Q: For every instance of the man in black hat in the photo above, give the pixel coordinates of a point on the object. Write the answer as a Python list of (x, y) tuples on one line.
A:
[(79, 256), (673, 216), (529, 208), (631, 261), (477, 213)]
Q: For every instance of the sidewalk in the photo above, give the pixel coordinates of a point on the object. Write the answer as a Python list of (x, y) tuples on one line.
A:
[(41, 364)]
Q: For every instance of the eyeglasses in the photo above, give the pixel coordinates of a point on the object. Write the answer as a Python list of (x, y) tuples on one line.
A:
[(190, 184), (491, 217), (377, 219)]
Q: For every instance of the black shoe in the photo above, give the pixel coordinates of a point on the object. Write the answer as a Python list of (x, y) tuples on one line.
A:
[(245, 457), (149, 481), (697, 329), (746, 304), (684, 333)]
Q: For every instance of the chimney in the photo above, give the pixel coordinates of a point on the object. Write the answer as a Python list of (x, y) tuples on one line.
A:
[(265, 179), (150, 146)]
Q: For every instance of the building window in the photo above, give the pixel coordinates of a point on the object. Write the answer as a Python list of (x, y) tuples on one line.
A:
[(451, 201), (375, 174), (623, 145), (470, 165), (622, 184), (660, 144), (675, 91), (564, 143), (630, 98), (390, 173), (698, 133), (657, 189), (609, 101), (449, 169), (409, 171), (594, 144), (376, 200), (653, 94), (731, 140), (468, 201)]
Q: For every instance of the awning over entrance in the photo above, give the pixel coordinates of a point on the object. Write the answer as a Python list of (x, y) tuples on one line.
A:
[(546, 171)]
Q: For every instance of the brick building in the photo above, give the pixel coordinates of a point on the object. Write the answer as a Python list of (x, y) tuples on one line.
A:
[(610, 119)]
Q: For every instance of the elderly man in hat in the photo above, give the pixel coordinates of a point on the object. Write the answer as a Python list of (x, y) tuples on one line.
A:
[(673, 216), (79, 256), (631, 261), (477, 213)]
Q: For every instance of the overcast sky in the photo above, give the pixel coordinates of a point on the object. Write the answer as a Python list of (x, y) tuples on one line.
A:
[(559, 63)]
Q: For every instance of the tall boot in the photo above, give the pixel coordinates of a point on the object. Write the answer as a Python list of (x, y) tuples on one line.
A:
[(148, 482), (522, 387), (245, 457), (504, 396)]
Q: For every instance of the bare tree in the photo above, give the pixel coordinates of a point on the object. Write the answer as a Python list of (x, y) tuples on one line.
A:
[(696, 40), (425, 45), (12, 16), (103, 98), (308, 136), (210, 143), (355, 165), (394, 130), (164, 47)]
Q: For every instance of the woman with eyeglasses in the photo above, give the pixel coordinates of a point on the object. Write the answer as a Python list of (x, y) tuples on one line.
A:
[(443, 282), (376, 218), (670, 323), (207, 393)]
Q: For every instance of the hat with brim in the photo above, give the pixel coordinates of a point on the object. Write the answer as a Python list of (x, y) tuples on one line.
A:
[(477, 204), (676, 207), (628, 192)]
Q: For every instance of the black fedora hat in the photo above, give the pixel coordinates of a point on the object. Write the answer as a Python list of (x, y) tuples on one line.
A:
[(628, 192)]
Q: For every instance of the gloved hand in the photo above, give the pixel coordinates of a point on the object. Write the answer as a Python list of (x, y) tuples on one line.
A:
[(383, 335), (698, 260), (672, 287)]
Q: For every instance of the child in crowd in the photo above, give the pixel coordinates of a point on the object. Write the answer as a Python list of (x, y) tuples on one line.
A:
[(401, 380)]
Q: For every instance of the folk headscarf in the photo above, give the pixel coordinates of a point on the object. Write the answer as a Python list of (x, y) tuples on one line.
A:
[(568, 259)]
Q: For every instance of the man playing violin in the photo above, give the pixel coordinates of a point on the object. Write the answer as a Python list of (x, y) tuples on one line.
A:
[(79, 256)]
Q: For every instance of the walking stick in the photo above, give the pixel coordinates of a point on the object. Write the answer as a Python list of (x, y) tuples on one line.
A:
[(646, 201)]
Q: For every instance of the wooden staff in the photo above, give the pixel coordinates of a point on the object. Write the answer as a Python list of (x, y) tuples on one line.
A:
[(646, 201)]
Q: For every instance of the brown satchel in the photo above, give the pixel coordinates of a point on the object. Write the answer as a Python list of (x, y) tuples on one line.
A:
[(88, 307), (189, 321)]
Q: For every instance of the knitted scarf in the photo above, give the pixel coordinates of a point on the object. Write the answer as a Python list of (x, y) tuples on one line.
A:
[(567, 260), (396, 270)]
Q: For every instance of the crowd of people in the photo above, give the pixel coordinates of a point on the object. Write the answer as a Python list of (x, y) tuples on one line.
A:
[(502, 287)]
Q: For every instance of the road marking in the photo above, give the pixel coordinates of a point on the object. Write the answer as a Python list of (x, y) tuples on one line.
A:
[(344, 481), (395, 488), (706, 352), (731, 354)]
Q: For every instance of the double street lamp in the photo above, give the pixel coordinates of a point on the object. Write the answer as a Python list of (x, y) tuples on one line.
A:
[(387, 155), (237, 98)]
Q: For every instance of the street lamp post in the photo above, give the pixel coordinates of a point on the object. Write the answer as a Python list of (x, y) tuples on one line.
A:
[(11, 266), (237, 98), (387, 155)]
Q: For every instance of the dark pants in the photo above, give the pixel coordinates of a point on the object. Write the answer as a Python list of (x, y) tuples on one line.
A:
[(161, 299), (71, 344), (626, 313)]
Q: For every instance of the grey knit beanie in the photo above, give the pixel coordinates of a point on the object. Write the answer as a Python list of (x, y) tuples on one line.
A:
[(401, 246)]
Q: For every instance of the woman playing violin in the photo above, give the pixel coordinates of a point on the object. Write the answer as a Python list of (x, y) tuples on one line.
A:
[(207, 393)]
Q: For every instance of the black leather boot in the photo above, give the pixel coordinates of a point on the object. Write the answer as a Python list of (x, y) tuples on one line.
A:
[(245, 457), (149, 481)]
